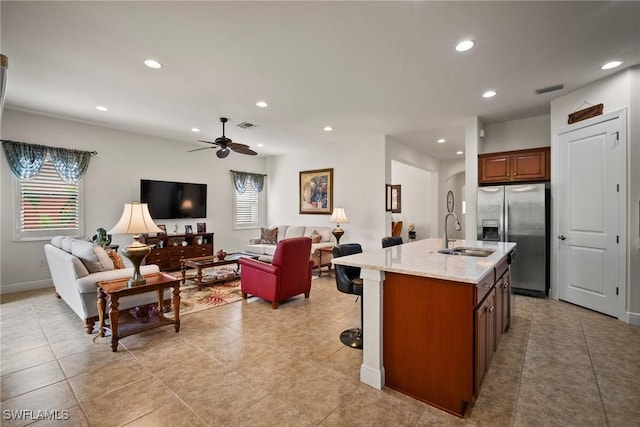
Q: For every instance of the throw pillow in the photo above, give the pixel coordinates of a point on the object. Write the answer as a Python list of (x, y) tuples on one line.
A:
[(115, 257), (269, 236), (315, 237), (92, 256)]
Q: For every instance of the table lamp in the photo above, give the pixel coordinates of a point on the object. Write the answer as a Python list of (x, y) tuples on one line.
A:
[(338, 216), (135, 220)]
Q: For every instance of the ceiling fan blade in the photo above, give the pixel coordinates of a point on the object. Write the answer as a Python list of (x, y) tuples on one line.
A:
[(222, 153), (198, 149), (209, 142), (242, 149)]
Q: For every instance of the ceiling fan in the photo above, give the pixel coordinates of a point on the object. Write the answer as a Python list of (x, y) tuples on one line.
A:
[(225, 144)]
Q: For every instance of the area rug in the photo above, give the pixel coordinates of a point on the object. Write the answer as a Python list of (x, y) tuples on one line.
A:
[(193, 300)]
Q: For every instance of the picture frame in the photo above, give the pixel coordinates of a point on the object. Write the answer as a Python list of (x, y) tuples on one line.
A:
[(188, 229), (316, 191), (387, 198), (396, 199), (201, 227), (163, 228)]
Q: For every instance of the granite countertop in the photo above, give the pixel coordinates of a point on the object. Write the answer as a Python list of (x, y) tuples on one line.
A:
[(421, 258)]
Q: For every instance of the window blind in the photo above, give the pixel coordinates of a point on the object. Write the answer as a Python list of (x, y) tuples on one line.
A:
[(247, 207)]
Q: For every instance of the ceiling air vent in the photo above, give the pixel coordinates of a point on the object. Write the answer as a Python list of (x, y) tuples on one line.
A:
[(549, 89), (245, 125)]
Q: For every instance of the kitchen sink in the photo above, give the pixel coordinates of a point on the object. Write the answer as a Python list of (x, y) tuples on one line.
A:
[(477, 252)]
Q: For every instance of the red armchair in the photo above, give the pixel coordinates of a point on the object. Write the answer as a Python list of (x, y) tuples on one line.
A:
[(288, 275)]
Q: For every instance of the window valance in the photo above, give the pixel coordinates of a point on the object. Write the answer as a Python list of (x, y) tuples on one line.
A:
[(240, 180), (25, 160)]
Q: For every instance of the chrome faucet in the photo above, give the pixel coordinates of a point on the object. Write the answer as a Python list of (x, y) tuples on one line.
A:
[(446, 240)]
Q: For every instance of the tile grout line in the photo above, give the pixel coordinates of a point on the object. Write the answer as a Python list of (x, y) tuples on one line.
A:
[(66, 379), (595, 376), (524, 356)]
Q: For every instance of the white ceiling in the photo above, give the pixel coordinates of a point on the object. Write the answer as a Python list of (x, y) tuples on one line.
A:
[(364, 68)]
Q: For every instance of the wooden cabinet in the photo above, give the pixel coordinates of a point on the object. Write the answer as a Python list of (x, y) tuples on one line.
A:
[(168, 249), (515, 166), (485, 337), (439, 342), (503, 297)]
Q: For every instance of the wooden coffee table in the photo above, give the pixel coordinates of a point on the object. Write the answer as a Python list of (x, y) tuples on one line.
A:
[(212, 261), (115, 289)]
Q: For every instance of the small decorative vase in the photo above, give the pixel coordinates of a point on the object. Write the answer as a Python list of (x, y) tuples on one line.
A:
[(221, 254)]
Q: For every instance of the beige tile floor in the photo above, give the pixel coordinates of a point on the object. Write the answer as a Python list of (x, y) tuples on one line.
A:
[(245, 364)]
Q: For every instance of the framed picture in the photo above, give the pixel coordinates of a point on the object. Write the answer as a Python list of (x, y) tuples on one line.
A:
[(163, 228), (188, 229), (395, 199), (201, 227), (316, 192), (387, 198)]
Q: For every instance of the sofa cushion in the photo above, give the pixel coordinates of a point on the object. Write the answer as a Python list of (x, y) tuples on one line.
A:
[(269, 236), (255, 248), (295, 231), (92, 256), (57, 241), (66, 243), (325, 232), (282, 231), (270, 249), (316, 237)]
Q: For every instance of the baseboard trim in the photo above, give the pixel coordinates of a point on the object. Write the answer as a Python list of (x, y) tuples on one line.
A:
[(25, 286), (634, 318)]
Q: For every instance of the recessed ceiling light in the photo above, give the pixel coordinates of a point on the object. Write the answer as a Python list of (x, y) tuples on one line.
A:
[(195, 130), (459, 152), (328, 128), (102, 108), (610, 65), (489, 94), (152, 63), (262, 104), (464, 45), (442, 141), (260, 145)]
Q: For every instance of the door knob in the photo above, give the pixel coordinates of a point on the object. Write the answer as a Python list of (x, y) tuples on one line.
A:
[(562, 237)]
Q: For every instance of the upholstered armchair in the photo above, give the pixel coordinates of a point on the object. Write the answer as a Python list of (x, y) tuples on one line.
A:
[(288, 275)]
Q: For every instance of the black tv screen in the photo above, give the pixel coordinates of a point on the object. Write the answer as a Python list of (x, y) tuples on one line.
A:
[(171, 200)]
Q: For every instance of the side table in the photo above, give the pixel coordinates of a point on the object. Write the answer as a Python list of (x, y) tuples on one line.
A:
[(328, 252), (115, 289)]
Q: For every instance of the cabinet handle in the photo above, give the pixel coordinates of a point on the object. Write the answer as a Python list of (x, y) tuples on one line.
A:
[(490, 309)]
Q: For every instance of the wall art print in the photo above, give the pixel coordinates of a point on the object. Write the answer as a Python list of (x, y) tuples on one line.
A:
[(316, 191)]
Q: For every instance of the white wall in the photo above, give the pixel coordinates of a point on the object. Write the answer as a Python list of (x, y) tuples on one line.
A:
[(471, 144), (620, 90), (531, 132), (452, 177), (112, 179), (399, 153), (358, 187), (416, 200)]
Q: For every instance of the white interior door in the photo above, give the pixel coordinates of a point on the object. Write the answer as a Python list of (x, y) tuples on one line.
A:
[(591, 198)]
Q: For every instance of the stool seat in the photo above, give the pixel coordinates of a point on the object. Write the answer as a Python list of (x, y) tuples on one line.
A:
[(348, 281)]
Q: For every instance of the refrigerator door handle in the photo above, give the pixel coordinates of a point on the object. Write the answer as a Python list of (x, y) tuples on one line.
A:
[(506, 221)]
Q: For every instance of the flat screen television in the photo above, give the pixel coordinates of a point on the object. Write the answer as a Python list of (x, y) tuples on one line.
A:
[(171, 200)]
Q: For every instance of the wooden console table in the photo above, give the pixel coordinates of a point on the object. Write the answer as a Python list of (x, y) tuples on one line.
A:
[(115, 289)]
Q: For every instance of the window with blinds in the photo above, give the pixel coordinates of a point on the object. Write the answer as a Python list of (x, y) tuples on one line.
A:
[(47, 206), (247, 208)]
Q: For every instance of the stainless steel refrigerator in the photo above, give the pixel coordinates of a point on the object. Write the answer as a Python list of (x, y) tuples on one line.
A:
[(519, 213)]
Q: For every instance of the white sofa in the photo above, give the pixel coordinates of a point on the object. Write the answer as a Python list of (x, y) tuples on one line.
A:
[(265, 251), (77, 266)]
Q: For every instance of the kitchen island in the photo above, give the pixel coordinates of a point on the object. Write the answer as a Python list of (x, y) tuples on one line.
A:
[(432, 321)]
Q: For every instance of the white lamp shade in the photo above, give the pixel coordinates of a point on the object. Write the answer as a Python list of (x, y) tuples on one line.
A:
[(339, 216), (135, 219)]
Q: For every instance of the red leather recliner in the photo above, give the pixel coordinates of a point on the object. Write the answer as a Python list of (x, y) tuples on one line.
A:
[(288, 275)]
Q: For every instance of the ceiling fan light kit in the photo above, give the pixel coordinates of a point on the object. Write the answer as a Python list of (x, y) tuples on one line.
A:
[(226, 145)]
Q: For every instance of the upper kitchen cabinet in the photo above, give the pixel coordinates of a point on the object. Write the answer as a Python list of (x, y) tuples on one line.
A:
[(515, 166)]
